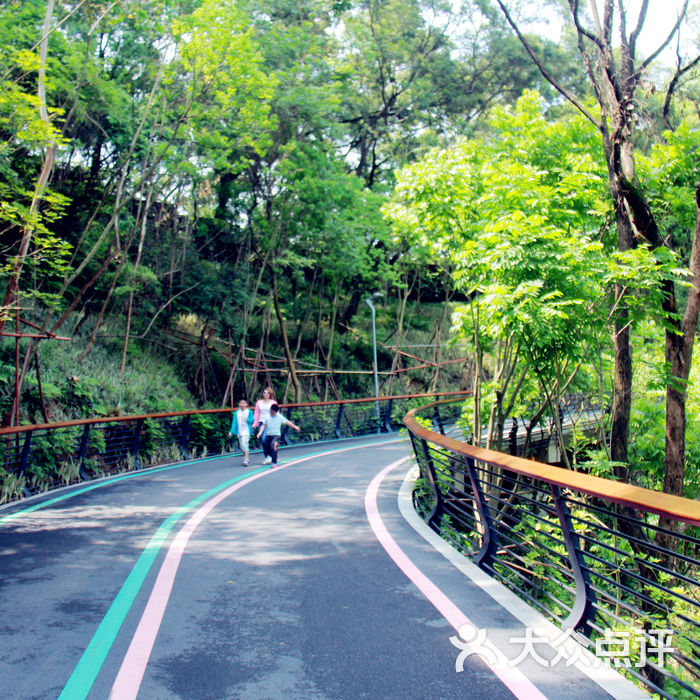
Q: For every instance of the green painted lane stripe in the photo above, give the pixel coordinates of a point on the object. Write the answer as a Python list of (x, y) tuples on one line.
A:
[(81, 680), (102, 482)]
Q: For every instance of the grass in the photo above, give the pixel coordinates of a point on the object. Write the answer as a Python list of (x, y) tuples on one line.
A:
[(93, 387)]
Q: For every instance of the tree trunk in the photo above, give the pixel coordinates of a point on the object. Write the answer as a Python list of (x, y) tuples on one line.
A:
[(84, 290), (285, 339), (622, 377), (403, 302), (93, 335), (139, 251), (476, 387), (437, 347), (622, 396), (331, 338), (679, 353)]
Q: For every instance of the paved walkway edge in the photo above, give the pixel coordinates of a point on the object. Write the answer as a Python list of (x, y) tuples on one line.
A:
[(601, 674)]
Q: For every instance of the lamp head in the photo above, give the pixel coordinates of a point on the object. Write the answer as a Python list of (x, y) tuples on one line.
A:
[(374, 295)]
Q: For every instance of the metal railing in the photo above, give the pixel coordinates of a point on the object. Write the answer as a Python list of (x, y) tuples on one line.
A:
[(614, 563), (36, 458)]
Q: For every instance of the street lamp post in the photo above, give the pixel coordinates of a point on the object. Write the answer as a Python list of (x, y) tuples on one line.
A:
[(374, 347)]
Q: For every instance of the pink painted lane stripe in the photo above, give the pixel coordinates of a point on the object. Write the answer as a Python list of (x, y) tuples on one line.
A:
[(521, 686), (128, 682)]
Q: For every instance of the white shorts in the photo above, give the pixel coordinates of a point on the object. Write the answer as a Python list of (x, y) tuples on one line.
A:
[(244, 442)]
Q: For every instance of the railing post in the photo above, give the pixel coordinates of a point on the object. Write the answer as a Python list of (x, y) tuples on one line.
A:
[(387, 416), (437, 420), (338, 419), (285, 429), (489, 537), (435, 516), (582, 610), (24, 458), (134, 451), (83, 451), (184, 436)]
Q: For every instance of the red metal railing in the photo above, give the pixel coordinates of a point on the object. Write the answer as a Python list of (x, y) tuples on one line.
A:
[(36, 458)]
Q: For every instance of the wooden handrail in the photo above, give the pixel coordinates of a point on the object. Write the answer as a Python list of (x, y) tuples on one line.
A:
[(664, 504), (337, 402), (106, 419), (174, 414)]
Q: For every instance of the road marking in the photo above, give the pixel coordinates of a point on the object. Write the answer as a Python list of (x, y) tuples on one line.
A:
[(90, 664), (128, 681), (98, 484), (607, 678), (514, 680), (87, 669), (134, 665)]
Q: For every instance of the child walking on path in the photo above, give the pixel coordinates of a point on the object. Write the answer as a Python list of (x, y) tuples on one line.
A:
[(272, 427), (241, 427)]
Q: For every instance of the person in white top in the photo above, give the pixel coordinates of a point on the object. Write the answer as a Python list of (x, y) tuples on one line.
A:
[(261, 413)]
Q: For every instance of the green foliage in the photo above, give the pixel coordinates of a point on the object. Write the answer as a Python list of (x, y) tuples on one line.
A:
[(518, 218), (208, 433), (151, 438), (219, 70), (24, 135), (422, 496), (670, 174), (11, 486), (229, 120), (92, 388), (208, 153), (513, 212), (647, 430), (51, 457)]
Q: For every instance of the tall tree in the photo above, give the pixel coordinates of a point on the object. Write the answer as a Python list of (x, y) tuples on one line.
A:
[(607, 39)]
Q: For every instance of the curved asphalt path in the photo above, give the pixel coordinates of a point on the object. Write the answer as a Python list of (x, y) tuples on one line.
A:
[(206, 580)]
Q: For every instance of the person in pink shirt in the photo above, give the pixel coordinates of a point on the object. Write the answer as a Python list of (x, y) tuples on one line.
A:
[(260, 414)]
